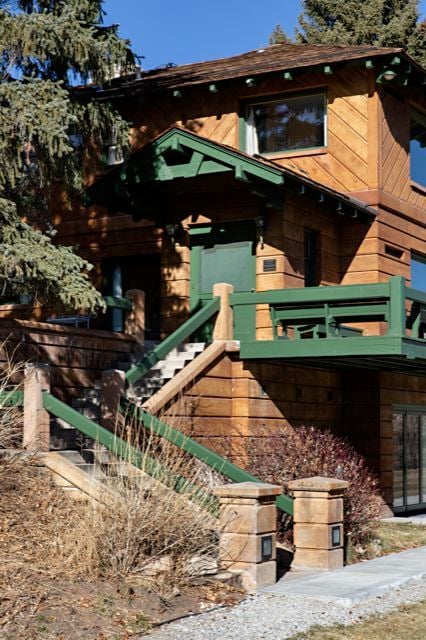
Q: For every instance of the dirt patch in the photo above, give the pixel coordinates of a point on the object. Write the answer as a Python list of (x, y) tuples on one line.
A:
[(44, 596)]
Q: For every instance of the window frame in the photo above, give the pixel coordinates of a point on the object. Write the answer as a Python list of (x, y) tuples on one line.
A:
[(271, 99), (418, 115), (420, 258)]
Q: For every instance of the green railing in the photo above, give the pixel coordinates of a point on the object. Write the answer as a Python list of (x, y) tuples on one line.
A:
[(113, 302), (12, 398), (124, 450), (173, 340), (199, 451), (324, 312)]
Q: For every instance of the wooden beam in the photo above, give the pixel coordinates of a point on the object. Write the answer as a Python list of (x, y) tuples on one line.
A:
[(182, 379)]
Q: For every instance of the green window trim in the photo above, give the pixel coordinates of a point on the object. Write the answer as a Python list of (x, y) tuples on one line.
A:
[(244, 114)]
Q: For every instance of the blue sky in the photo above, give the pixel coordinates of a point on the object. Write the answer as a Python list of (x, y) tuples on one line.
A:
[(182, 31)]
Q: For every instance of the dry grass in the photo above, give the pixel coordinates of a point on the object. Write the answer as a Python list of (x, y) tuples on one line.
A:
[(408, 622), (391, 537), (142, 524), (10, 416)]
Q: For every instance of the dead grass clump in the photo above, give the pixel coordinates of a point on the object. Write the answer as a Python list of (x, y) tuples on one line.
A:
[(143, 526), (11, 417)]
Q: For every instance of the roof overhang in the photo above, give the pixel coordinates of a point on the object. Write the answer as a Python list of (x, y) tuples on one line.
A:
[(179, 154)]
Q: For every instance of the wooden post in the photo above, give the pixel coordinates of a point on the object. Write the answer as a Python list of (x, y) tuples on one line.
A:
[(36, 436), (223, 328), (248, 527), (113, 383), (318, 523), (135, 320)]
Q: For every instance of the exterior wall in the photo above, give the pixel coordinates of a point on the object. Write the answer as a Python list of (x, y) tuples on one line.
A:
[(394, 151), (395, 389), (236, 402), (72, 369), (344, 164)]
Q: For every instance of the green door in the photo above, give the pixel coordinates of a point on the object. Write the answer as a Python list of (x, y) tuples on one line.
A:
[(222, 253)]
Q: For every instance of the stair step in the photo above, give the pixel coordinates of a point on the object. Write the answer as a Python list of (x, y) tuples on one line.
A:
[(73, 456)]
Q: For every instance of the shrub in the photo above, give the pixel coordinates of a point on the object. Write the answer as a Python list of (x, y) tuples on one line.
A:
[(305, 452)]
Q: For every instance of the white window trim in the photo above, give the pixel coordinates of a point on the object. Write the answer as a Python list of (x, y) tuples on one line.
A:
[(251, 144)]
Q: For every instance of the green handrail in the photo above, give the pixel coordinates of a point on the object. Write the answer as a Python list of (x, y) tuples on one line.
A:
[(124, 450), (118, 303), (197, 450), (12, 398), (173, 340)]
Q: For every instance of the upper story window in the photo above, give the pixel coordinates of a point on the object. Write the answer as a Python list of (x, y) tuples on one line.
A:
[(418, 271), (418, 147), (291, 123)]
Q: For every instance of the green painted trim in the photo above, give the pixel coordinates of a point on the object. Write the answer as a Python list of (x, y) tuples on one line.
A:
[(325, 348), (173, 340), (11, 398), (313, 294), (195, 277), (212, 151), (113, 302), (197, 450), (124, 450)]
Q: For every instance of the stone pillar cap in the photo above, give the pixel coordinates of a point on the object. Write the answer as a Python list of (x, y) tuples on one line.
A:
[(318, 483), (247, 490)]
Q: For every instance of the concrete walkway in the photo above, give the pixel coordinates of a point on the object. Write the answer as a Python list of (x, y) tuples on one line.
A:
[(355, 582)]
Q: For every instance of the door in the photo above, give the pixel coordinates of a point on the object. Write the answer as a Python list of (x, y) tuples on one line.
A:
[(222, 253), (409, 484)]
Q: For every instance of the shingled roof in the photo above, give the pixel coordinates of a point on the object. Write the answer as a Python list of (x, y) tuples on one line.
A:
[(284, 57)]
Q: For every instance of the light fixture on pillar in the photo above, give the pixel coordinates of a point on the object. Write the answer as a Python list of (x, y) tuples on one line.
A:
[(260, 222), (172, 230)]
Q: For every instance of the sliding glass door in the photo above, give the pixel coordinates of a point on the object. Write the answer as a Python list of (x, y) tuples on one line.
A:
[(409, 473)]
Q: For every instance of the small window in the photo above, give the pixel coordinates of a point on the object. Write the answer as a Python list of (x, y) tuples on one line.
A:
[(418, 147), (418, 271), (288, 124), (312, 258)]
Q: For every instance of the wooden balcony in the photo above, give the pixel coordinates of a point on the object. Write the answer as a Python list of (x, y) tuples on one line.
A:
[(379, 326)]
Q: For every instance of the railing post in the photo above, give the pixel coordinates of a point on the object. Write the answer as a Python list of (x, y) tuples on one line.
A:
[(318, 523), (36, 435), (223, 328), (135, 319), (247, 525), (397, 315), (113, 383)]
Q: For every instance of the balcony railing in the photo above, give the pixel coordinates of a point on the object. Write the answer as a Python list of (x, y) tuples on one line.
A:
[(346, 320)]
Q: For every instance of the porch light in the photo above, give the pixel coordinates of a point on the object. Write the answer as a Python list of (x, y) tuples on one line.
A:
[(260, 222), (172, 230), (388, 75)]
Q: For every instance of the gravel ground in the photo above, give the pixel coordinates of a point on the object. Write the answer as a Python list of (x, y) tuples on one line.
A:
[(268, 617)]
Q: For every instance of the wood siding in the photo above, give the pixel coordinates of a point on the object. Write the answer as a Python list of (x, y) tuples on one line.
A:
[(77, 357), (394, 159), (343, 165)]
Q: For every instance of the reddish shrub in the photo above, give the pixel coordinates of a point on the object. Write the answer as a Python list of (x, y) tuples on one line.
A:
[(305, 452)]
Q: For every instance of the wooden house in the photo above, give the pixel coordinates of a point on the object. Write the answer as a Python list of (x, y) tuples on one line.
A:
[(297, 174)]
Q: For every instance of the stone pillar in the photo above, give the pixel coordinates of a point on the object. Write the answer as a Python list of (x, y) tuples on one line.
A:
[(224, 325), (113, 384), (248, 531), (36, 435), (135, 319), (318, 523)]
